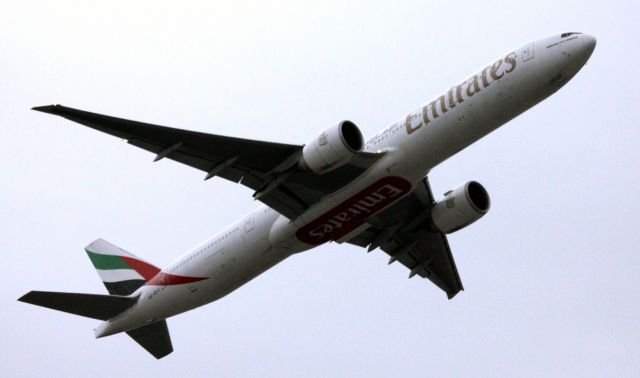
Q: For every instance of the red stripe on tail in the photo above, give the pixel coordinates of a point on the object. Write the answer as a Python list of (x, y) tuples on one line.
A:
[(146, 270)]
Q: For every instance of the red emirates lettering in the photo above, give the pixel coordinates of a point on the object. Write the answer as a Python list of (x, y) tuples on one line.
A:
[(352, 213)]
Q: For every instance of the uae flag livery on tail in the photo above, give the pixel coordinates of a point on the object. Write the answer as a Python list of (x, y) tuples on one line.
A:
[(123, 273), (120, 271)]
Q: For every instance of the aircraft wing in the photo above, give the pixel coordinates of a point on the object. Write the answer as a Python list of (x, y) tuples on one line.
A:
[(404, 232), (270, 169)]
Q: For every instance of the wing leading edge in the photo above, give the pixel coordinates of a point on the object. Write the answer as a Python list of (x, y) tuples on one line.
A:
[(269, 169)]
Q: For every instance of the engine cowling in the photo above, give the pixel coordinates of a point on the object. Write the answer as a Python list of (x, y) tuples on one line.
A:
[(460, 207), (332, 148)]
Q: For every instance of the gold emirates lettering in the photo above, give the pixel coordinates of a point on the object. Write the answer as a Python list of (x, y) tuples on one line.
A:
[(455, 95)]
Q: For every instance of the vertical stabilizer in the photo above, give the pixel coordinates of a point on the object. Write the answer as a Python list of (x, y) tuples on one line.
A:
[(121, 272)]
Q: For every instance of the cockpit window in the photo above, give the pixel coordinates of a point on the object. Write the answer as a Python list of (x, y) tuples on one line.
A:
[(564, 35)]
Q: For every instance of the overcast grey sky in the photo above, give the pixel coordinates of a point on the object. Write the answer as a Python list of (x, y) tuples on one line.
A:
[(552, 273)]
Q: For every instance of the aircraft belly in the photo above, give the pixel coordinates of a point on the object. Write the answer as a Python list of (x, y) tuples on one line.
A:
[(240, 260)]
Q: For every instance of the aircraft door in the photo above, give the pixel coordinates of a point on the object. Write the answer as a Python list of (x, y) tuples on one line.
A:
[(528, 52), (248, 226)]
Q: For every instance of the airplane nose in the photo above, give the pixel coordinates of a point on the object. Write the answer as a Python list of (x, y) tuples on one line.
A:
[(576, 52), (587, 45), (582, 49)]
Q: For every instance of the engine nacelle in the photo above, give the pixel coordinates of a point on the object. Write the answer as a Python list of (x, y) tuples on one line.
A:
[(460, 207), (332, 148)]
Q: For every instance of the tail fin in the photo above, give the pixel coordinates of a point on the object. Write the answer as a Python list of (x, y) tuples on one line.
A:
[(121, 272), (94, 306), (154, 338)]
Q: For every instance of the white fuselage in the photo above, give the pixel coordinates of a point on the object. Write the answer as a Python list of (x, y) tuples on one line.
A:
[(413, 146)]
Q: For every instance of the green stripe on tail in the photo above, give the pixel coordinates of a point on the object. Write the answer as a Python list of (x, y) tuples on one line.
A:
[(107, 261)]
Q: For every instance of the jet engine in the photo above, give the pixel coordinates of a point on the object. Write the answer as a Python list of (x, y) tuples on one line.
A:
[(460, 207), (332, 148)]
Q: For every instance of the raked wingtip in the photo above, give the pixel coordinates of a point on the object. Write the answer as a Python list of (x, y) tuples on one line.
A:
[(45, 108)]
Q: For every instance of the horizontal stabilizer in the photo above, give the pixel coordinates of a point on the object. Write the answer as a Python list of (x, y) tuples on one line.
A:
[(102, 307), (154, 338)]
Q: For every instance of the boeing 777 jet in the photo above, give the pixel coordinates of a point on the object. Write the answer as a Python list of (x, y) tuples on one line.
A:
[(336, 188)]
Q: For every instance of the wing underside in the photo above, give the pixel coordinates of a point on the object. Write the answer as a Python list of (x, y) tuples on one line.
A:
[(269, 169), (404, 232)]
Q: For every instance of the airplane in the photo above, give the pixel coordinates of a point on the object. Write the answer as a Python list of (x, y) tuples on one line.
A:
[(336, 188)]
